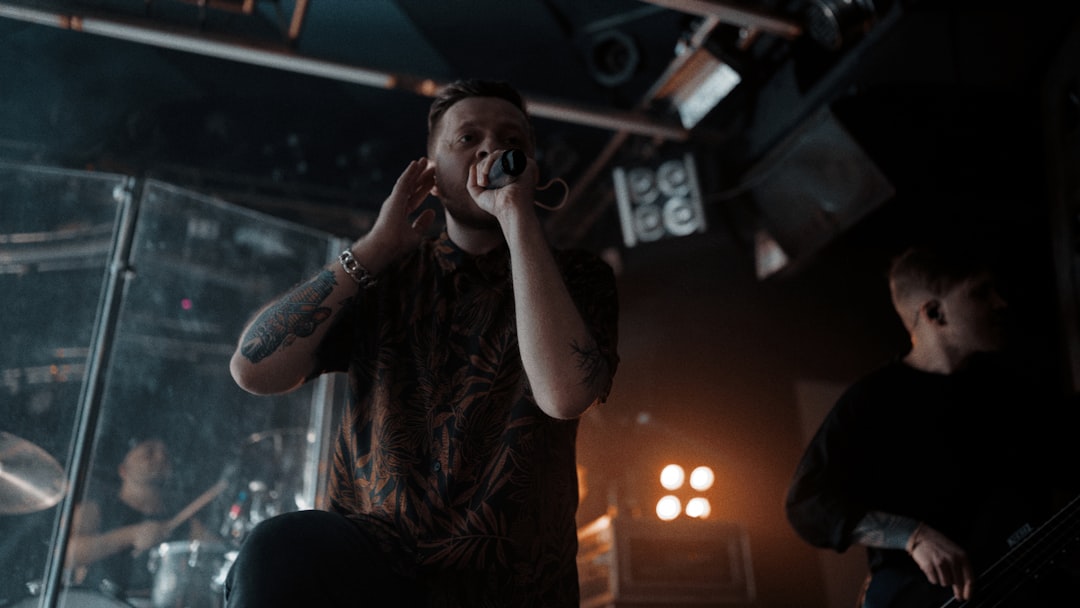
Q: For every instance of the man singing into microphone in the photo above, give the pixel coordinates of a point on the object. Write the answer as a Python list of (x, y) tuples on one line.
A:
[(470, 358)]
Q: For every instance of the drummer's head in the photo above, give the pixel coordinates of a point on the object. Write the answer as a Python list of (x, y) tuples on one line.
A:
[(147, 461)]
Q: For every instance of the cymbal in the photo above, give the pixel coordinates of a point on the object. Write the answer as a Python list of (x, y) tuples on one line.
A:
[(30, 479)]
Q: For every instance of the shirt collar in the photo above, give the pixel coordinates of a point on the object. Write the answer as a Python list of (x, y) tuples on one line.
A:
[(494, 264)]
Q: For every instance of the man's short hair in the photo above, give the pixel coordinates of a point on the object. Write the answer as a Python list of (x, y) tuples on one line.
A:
[(464, 89), (934, 269)]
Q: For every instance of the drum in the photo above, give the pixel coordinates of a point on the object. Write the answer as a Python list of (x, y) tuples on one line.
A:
[(186, 574), (75, 598), (218, 583)]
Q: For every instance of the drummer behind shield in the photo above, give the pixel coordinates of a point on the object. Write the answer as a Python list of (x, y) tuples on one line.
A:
[(113, 533)]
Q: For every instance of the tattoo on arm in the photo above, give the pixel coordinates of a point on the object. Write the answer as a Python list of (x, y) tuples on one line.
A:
[(590, 362), (884, 530), (295, 315)]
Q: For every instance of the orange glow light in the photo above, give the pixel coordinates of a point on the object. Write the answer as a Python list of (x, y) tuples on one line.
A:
[(702, 478), (699, 508), (672, 477), (668, 508)]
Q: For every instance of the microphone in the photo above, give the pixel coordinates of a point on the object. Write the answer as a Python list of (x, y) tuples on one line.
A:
[(507, 168)]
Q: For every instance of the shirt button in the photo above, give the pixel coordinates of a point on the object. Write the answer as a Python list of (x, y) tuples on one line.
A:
[(437, 466)]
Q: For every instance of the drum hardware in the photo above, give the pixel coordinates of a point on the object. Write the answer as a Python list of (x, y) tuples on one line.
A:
[(217, 584), (186, 574), (272, 464), (192, 574), (192, 508), (75, 597)]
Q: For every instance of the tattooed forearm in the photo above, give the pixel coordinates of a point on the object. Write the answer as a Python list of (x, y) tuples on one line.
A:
[(296, 315), (590, 362), (884, 530)]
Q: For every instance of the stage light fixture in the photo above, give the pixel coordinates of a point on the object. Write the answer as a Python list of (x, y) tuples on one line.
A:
[(769, 256), (699, 84), (668, 508), (678, 499), (702, 478), (659, 201), (613, 58), (672, 477), (698, 508), (835, 23)]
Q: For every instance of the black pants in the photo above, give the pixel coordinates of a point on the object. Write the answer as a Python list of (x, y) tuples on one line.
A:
[(315, 558)]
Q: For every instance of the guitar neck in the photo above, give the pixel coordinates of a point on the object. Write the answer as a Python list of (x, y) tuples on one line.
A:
[(1026, 559)]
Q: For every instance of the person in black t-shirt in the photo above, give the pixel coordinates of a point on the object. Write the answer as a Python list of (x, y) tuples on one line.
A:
[(113, 534), (942, 460)]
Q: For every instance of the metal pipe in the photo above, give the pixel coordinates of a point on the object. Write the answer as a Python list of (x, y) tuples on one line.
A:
[(606, 119), (285, 60), (201, 45), (89, 407), (736, 15)]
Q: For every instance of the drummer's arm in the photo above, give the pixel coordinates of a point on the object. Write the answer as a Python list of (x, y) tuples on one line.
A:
[(88, 544)]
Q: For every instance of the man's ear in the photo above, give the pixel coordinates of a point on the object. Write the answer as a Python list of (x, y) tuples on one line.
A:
[(435, 186), (932, 310)]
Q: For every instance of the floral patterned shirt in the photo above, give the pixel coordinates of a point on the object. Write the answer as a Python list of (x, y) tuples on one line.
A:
[(443, 453)]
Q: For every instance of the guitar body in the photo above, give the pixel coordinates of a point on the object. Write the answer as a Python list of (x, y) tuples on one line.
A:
[(1026, 575)]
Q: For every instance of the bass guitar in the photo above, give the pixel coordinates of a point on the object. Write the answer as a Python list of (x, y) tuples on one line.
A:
[(1029, 560)]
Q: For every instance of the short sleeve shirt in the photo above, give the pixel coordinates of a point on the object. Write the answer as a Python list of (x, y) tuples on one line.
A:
[(443, 449)]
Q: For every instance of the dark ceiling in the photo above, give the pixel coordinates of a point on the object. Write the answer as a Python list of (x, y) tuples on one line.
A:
[(255, 100)]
